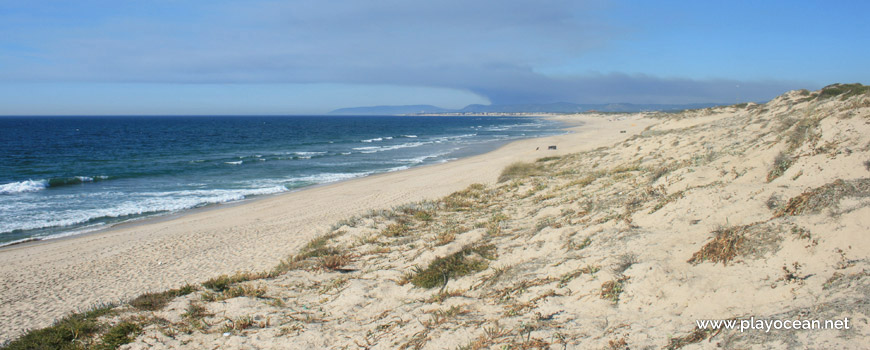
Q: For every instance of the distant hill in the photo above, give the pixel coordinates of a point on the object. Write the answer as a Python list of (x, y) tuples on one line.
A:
[(558, 107), (390, 110)]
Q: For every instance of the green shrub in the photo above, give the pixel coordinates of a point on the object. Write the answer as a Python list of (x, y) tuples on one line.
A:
[(224, 282), (520, 170), (843, 90), (156, 301), (458, 264), (780, 164), (68, 333), (118, 335)]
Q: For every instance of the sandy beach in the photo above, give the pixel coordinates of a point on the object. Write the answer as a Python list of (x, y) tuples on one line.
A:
[(45, 281)]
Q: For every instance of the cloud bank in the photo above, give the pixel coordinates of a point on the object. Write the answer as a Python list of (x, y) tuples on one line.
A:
[(490, 48)]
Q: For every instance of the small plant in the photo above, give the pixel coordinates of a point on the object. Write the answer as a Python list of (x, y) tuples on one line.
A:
[(443, 295), (773, 202), (67, 333), (238, 324), (696, 336), (826, 196), (224, 282), (335, 262), (611, 290), (658, 173), (245, 290), (444, 237), (792, 274), (156, 301), (318, 247), (424, 215), (844, 262), (804, 130), (547, 159), (624, 262), (568, 277), (544, 223), (118, 335), (195, 311), (520, 170), (578, 246), (398, 229), (780, 164), (582, 182), (618, 344), (469, 260), (309, 254), (725, 246)]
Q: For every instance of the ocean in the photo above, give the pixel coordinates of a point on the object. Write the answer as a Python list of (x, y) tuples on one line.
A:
[(62, 176)]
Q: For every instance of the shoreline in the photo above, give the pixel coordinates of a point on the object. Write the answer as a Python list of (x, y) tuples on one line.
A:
[(74, 232), (160, 217), (47, 279)]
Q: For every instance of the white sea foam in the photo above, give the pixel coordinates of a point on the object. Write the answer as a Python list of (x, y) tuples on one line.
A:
[(307, 153), (410, 136), (23, 186), (403, 167), (373, 149), (369, 148), (146, 203), (234, 163), (377, 139), (421, 159), (329, 177)]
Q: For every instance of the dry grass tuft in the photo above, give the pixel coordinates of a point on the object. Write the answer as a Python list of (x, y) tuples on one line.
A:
[(780, 164), (224, 282), (624, 262), (696, 336), (469, 260), (335, 262), (827, 196), (156, 301), (568, 277), (398, 229), (520, 170), (724, 247), (611, 290)]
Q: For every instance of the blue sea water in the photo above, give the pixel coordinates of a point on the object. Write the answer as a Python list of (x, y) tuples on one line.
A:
[(66, 175)]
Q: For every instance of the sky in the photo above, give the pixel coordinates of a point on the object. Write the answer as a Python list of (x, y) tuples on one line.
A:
[(60, 57)]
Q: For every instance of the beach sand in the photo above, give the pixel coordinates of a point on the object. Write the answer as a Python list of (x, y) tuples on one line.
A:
[(47, 280)]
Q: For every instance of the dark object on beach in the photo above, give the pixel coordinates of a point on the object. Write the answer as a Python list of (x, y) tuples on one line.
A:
[(551, 147), (621, 131)]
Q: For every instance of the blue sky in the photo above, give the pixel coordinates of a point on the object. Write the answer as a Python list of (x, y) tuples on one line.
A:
[(309, 57)]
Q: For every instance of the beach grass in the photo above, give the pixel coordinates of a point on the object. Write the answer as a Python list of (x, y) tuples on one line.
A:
[(469, 260), (73, 332), (520, 170)]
